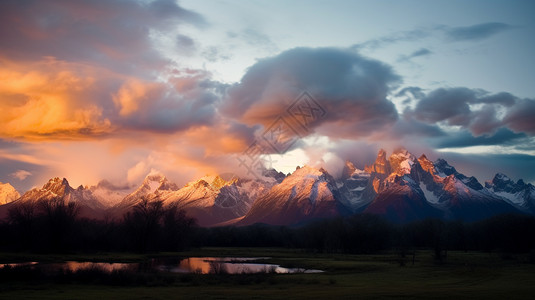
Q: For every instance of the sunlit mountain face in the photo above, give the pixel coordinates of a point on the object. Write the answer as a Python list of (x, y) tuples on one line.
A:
[(108, 103), (398, 187)]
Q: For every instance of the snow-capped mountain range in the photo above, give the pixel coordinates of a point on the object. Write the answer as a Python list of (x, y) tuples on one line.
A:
[(399, 187)]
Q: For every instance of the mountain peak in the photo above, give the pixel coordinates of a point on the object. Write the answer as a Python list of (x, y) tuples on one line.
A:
[(443, 167), (426, 164), (8, 193), (401, 161), (348, 170), (381, 164), (501, 177), (58, 186)]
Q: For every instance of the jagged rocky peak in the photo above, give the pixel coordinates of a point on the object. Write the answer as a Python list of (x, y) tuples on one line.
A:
[(401, 161), (381, 164), (215, 182), (426, 164), (272, 173), (348, 170), (501, 178), (502, 183), (157, 181), (442, 166), (58, 186), (8, 193), (307, 172)]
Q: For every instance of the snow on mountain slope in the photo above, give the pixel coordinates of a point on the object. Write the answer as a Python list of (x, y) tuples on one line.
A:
[(108, 194), (57, 188), (399, 187), (212, 200), (152, 186), (356, 188), (308, 193), (410, 180), (402, 202), (519, 194), (7, 193)]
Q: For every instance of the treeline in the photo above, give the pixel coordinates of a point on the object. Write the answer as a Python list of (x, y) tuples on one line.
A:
[(364, 233), (55, 226)]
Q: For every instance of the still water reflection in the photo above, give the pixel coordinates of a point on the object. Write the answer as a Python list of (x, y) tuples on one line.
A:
[(198, 265), (228, 265)]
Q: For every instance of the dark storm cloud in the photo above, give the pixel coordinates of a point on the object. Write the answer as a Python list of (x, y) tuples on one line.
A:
[(449, 105), (352, 90), (185, 101), (114, 33), (95, 71), (521, 117), (476, 32), (410, 127), (503, 98), (476, 110), (503, 136)]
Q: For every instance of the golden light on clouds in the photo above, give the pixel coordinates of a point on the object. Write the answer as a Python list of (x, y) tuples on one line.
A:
[(48, 101)]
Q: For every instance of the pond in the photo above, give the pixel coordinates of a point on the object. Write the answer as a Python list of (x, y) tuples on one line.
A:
[(197, 265)]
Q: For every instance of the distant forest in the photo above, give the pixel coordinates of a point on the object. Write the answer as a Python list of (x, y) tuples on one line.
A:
[(55, 227)]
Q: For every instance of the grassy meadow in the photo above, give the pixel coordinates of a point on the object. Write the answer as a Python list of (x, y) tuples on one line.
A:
[(472, 275)]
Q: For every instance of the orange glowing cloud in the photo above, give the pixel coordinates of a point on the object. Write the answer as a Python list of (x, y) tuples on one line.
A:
[(48, 99), (133, 94)]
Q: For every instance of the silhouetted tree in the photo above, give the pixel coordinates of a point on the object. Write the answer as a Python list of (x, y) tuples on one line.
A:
[(59, 219), (22, 218), (176, 229), (143, 224)]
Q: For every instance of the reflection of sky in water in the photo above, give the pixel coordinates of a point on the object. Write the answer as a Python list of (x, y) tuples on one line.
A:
[(198, 265), (15, 265), (221, 265)]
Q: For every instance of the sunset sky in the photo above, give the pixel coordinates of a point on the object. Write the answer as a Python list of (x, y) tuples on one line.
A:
[(116, 89)]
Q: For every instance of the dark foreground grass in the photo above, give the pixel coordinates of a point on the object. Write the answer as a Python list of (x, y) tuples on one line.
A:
[(461, 275)]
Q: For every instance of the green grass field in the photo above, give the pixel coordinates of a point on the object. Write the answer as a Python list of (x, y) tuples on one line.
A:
[(462, 275)]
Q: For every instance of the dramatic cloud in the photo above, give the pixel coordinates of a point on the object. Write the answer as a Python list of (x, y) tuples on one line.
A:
[(410, 127), (449, 105), (503, 136), (476, 110), (476, 32), (115, 34), (350, 88), (51, 99), (183, 101), (520, 117), (90, 69)]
